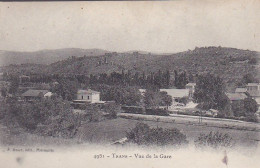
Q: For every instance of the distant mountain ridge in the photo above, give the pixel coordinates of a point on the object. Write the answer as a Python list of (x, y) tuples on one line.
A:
[(49, 56), (45, 56)]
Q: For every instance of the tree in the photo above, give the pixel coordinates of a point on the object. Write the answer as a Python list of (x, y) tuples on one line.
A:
[(247, 78), (166, 99), (112, 109), (155, 98), (58, 118), (184, 100), (245, 108), (250, 105), (180, 80), (210, 93), (4, 91), (9, 111), (191, 78), (167, 79), (94, 113), (14, 85), (52, 116), (142, 134), (238, 108), (175, 78), (251, 108), (5, 76), (152, 99), (67, 89), (125, 95)]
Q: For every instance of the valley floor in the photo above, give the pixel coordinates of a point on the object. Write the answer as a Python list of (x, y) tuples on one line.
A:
[(108, 131), (111, 130)]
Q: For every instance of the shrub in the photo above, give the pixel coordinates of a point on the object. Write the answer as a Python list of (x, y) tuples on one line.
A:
[(133, 109), (159, 112), (214, 140), (250, 106), (251, 118), (65, 126), (142, 134), (126, 95), (112, 109), (94, 113), (52, 116), (184, 100)]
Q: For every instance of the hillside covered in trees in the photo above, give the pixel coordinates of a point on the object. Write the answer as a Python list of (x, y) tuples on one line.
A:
[(229, 63)]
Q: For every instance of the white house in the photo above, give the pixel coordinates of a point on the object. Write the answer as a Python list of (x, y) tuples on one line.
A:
[(89, 96), (254, 90)]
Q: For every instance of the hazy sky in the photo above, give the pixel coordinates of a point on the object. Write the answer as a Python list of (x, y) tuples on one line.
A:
[(122, 26)]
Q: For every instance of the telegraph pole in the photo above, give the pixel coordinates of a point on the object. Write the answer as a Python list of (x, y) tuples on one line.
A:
[(200, 117)]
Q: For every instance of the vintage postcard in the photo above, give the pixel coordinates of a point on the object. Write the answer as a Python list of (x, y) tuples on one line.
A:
[(147, 84)]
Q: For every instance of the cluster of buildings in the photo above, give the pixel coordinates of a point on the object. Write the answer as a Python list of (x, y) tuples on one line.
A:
[(178, 94), (251, 90), (83, 96), (30, 93)]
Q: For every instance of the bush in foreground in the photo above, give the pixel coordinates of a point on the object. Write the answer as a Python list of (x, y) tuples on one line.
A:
[(214, 140), (51, 116), (142, 134)]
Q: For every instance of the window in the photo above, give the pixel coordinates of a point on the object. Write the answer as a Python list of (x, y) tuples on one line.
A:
[(88, 97), (81, 97)]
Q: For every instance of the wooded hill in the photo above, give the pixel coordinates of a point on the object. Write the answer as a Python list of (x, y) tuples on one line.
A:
[(229, 63)]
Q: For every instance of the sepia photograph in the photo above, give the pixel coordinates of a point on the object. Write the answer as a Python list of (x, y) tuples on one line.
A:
[(130, 84)]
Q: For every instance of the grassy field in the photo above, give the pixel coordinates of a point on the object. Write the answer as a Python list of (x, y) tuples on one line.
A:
[(111, 130), (108, 131), (22, 138)]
